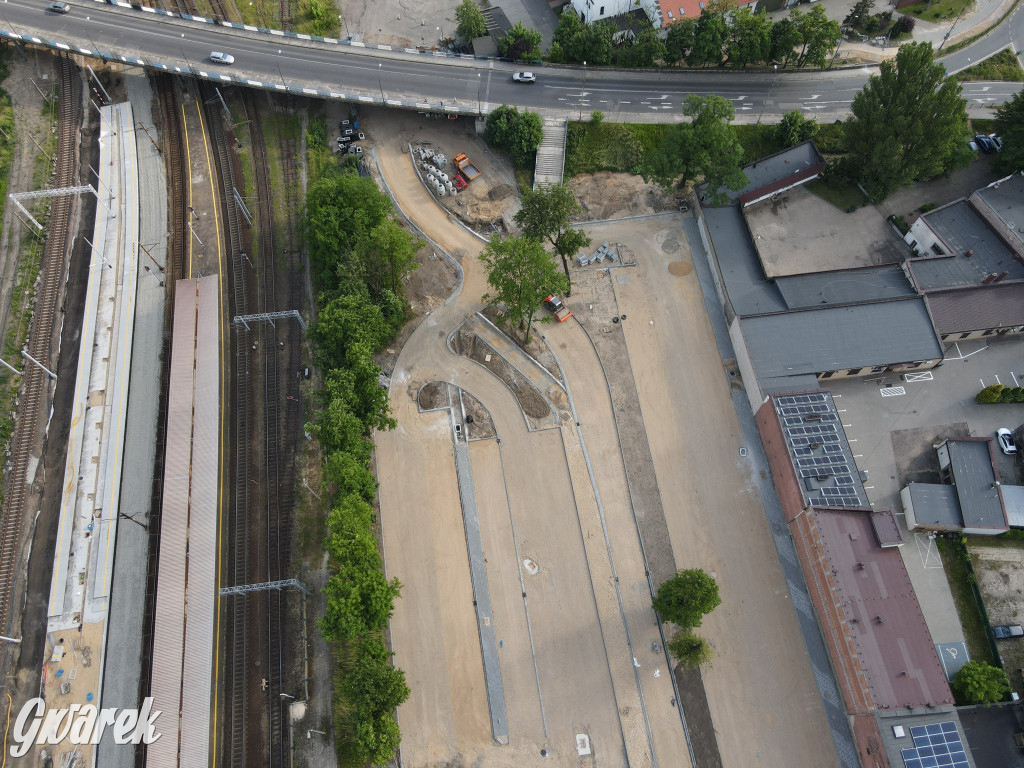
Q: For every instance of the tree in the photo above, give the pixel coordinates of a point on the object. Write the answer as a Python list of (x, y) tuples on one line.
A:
[(644, 50), (820, 36), (340, 212), (359, 597), (387, 256), (521, 274), (521, 43), (357, 386), (909, 123), (348, 319), (978, 682), (1010, 127), (708, 38), (795, 129), (686, 597), (690, 650), (679, 40), (545, 215), (376, 738), (785, 38), (705, 147), (373, 685), (858, 13), (470, 21), (749, 39), (517, 133)]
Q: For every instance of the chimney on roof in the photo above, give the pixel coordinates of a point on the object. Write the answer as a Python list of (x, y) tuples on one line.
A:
[(1019, 258), (969, 253), (860, 566), (855, 620), (989, 278), (1002, 276), (879, 619)]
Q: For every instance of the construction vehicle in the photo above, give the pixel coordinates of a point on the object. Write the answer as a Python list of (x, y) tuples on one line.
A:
[(557, 308), (465, 167)]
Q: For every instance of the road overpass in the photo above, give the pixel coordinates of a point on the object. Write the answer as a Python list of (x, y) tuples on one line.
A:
[(432, 81)]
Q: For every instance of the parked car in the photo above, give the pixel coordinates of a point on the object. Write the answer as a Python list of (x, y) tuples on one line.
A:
[(971, 143), (221, 58), (996, 142), (524, 77), (58, 7), (985, 144), (1006, 443), (1006, 631)]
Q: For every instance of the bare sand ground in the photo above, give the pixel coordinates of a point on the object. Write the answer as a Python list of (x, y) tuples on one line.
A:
[(761, 690)]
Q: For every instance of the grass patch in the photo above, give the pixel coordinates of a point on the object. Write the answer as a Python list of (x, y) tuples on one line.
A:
[(758, 141), (954, 561), (261, 13), (937, 10), (1002, 66), (623, 147), (618, 147), (985, 126), (524, 177), (843, 198), (29, 251)]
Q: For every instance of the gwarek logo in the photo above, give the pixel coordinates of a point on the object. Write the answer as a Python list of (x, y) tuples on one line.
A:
[(82, 725)]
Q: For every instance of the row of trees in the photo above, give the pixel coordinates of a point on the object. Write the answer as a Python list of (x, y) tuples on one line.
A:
[(745, 37), (359, 256), (684, 600), (736, 37)]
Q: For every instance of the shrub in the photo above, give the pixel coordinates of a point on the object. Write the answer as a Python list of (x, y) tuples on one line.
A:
[(907, 24), (990, 394), (690, 650)]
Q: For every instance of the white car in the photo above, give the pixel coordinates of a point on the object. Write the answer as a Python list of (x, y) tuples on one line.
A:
[(222, 58), (1005, 438), (524, 77)]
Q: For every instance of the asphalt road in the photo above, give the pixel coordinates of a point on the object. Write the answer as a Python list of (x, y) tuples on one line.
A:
[(403, 79), (1009, 33)]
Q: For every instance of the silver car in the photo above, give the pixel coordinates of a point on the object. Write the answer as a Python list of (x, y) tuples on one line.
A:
[(221, 58), (524, 77)]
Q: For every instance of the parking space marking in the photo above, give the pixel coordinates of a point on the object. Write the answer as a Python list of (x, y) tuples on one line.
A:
[(927, 550), (892, 391)]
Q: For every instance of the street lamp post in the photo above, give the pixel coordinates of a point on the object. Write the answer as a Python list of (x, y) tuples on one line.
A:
[(440, 35), (479, 103), (380, 65), (946, 36)]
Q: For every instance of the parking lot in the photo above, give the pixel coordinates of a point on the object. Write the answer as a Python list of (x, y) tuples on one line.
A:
[(892, 424)]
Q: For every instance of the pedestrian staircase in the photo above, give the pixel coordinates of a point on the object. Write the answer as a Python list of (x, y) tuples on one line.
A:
[(551, 153)]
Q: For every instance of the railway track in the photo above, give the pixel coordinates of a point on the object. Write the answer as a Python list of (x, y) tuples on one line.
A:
[(236, 709), (36, 385), (273, 346)]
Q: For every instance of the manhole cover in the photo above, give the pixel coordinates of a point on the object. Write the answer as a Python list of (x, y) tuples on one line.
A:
[(680, 268), (531, 567)]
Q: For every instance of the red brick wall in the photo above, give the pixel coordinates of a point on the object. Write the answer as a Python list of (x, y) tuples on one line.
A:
[(783, 474)]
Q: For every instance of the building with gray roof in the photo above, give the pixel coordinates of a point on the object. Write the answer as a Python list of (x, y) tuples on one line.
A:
[(970, 498), (959, 249), (773, 174), (844, 286), (846, 340), (1001, 203)]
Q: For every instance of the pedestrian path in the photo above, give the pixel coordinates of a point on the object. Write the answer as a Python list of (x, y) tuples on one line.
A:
[(551, 153)]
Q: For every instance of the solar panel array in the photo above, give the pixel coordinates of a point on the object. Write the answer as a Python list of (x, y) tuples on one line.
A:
[(936, 746), (817, 442)]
